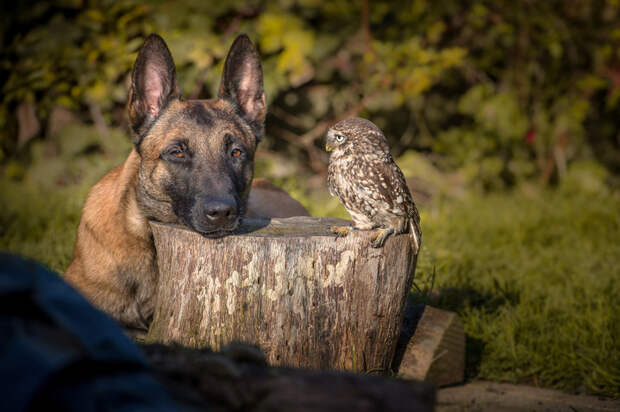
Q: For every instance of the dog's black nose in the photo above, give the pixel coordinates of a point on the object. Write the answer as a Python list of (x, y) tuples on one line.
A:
[(219, 212)]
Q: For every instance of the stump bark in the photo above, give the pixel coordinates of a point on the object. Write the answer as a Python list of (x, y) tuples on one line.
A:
[(289, 286)]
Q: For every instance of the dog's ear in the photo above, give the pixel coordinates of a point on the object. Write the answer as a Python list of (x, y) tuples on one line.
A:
[(242, 83), (153, 85)]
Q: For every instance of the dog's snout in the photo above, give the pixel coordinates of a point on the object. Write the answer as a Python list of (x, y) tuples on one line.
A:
[(214, 215), (220, 213)]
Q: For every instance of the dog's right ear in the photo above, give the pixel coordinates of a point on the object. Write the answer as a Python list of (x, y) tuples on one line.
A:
[(153, 85)]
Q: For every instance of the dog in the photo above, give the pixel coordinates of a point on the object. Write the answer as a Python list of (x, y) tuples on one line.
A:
[(191, 164)]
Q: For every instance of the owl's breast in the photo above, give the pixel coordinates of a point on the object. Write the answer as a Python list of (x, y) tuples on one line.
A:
[(337, 177)]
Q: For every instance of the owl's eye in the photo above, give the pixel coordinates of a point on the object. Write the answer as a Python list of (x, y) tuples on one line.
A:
[(339, 138)]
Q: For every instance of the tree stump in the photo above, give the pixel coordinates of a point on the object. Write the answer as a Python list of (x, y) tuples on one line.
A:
[(291, 287)]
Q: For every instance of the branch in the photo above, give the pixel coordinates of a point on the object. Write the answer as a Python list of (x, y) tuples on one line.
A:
[(306, 140), (98, 119)]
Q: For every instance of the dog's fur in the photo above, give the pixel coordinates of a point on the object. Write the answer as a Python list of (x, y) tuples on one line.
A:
[(192, 163)]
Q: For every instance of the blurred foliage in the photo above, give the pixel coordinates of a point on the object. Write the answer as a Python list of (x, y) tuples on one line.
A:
[(494, 89)]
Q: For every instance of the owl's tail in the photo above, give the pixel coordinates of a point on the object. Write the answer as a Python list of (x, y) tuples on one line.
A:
[(416, 234)]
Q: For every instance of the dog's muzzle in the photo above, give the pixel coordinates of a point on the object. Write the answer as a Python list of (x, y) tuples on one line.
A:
[(216, 218)]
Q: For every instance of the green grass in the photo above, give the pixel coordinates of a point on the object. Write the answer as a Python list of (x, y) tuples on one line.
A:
[(534, 274), (536, 279), (38, 224)]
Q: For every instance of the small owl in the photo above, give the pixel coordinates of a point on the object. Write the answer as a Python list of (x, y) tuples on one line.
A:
[(363, 175)]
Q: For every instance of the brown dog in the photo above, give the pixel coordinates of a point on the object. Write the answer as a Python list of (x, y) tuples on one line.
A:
[(192, 164)]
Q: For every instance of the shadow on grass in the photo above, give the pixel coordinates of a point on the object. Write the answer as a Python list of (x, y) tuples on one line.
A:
[(458, 299), (474, 348)]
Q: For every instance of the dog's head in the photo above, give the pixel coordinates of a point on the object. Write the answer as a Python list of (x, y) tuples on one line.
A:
[(197, 156)]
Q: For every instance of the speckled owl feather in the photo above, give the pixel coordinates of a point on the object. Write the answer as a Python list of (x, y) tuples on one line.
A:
[(364, 176)]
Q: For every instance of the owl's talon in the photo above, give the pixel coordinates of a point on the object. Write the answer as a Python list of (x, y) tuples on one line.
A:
[(379, 237), (340, 231)]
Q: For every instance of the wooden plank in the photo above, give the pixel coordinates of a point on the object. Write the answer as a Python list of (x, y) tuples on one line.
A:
[(432, 346)]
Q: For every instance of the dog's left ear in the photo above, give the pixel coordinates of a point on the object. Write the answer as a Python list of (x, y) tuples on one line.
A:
[(242, 83)]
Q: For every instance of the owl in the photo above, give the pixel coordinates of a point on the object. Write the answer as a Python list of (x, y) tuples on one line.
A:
[(363, 175)]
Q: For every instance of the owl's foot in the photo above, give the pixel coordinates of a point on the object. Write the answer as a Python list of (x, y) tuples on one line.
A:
[(340, 231), (379, 237)]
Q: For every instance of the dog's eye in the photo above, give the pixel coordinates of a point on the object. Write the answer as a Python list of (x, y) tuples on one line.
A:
[(236, 152), (175, 153), (178, 153), (339, 138)]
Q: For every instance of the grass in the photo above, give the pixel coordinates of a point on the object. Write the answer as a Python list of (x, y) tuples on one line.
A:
[(39, 224), (536, 279), (535, 274)]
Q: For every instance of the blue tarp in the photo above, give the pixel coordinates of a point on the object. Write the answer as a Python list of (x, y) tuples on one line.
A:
[(59, 352)]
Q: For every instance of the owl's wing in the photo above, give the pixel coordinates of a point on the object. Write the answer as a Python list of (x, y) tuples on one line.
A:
[(396, 190), (393, 186)]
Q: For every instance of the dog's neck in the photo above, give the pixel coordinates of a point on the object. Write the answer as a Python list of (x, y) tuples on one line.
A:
[(136, 223)]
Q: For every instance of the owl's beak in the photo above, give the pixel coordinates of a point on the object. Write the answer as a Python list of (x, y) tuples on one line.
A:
[(328, 147)]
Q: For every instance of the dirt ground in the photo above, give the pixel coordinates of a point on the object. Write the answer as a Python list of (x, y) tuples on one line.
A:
[(491, 397)]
